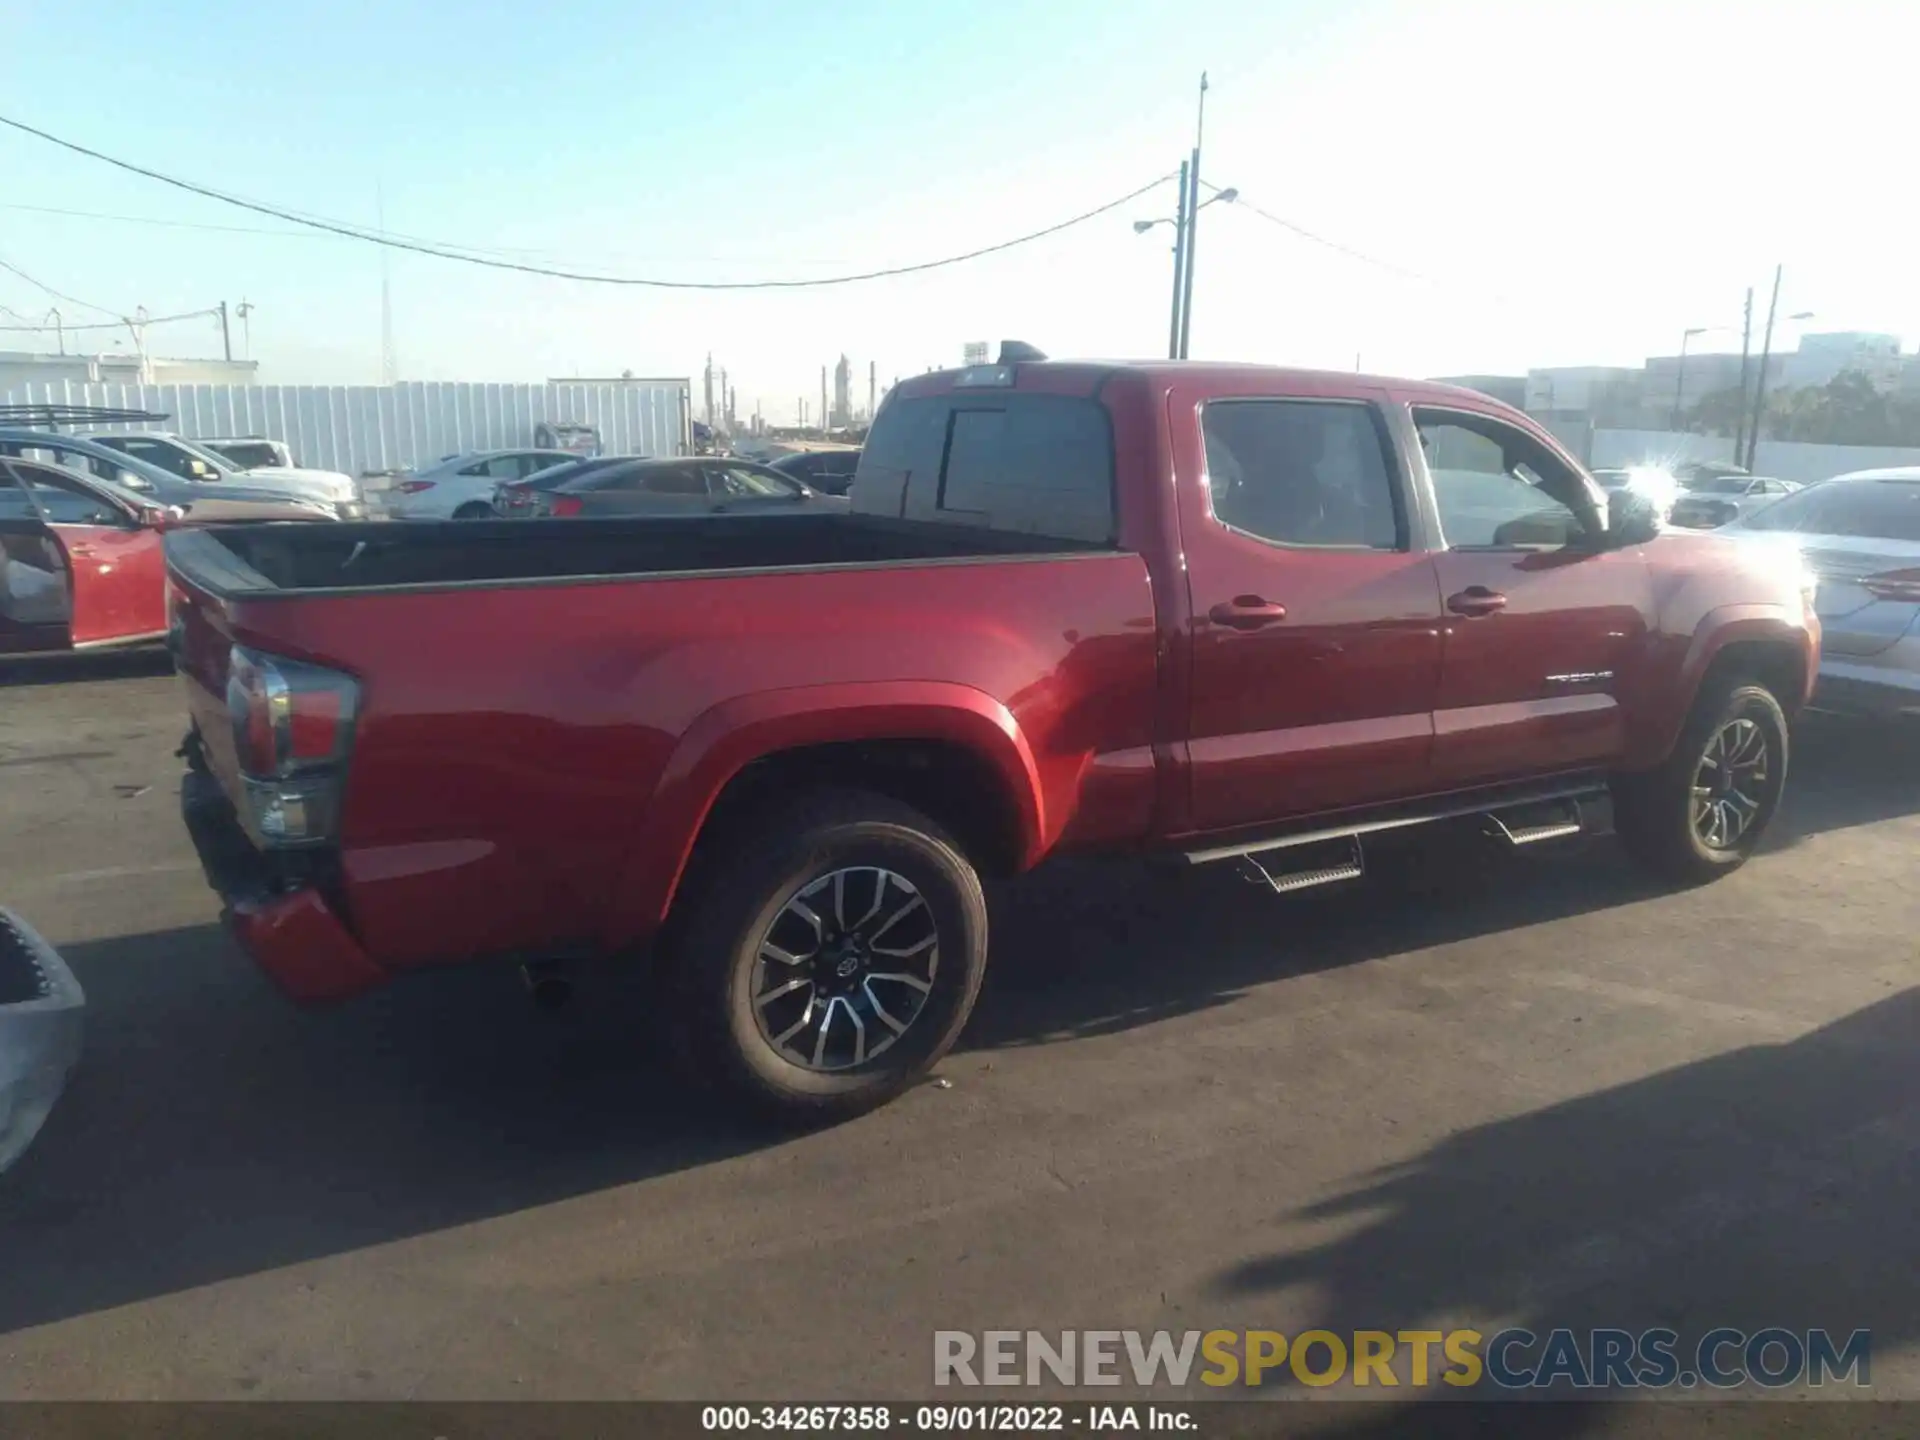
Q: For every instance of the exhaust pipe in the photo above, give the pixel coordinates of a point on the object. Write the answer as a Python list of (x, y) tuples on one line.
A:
[(547, 983)]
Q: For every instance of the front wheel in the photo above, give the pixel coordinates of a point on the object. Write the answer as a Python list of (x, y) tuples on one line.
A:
[(1702, 813), (474, 510), (828, 956)]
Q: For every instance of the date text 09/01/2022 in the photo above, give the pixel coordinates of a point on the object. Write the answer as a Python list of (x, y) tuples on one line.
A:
[(935, 1419)]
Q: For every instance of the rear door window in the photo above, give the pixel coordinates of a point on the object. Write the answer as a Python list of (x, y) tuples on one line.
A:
[(669, 480)]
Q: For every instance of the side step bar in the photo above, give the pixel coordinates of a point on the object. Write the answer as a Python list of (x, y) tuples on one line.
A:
[(1343, 862), (1530, 824), (1328, 856)]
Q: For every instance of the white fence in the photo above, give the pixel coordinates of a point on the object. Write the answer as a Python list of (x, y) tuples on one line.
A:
[(359, 428)]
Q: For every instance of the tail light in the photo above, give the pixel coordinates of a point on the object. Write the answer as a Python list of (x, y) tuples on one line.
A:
[(413, 487), (1901, 585), (565, 505), (292, 726)]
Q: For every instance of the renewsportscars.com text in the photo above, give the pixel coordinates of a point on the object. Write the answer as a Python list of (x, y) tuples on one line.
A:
[(1511, 1359)]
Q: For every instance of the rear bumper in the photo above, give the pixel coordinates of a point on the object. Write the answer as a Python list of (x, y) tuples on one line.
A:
[(286, 928), (1882, 687), (40, 1008)]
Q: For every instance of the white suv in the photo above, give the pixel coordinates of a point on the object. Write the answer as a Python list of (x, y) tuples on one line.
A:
[(197, 464)]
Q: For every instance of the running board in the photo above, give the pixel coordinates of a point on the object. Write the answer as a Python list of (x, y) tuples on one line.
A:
[(1333, 868), (1517, 798), (1531, 824)]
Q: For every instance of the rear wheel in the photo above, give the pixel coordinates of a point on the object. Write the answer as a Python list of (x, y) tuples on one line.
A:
[(827, 956), (1702, 813), (474, 510)]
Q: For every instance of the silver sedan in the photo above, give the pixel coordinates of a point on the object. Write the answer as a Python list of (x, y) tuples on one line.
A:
[(1860, 534)]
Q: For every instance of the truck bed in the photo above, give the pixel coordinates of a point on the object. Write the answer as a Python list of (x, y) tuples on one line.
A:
[(263, 560)]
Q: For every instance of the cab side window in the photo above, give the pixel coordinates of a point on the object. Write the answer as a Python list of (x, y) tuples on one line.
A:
[(1497, 488), (1311, 473)]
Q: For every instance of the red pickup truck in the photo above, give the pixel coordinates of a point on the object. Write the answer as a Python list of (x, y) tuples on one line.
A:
[(1221, 612)]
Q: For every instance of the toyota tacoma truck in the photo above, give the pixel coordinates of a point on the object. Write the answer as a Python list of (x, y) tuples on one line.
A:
[(1225, 613)]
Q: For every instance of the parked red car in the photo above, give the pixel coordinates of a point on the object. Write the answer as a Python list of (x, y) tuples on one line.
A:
[(80, 558), (1221, 612)]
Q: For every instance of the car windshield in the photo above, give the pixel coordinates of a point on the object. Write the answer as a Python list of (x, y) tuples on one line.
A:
[(1861, 509)]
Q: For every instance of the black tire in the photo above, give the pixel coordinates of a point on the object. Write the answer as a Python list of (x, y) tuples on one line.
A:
[(739, 895), (474, 510), (1655, 811)]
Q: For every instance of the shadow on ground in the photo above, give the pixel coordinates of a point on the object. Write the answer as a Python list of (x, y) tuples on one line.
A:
[(1846, 773), (215, 1131), (1771, 1186), (64, 669)]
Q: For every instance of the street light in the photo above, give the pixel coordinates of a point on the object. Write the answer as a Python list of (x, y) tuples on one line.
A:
[(1181, 222), (1680, 373)]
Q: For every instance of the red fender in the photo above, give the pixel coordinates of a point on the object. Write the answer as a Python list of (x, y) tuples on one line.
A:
[(725, 739)]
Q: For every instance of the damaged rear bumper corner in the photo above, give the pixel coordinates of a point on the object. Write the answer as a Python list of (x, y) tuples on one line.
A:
[(286, 928)]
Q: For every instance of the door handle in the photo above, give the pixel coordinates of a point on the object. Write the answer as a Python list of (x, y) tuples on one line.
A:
[(1476, 600), (84, 552), (1246, 612)]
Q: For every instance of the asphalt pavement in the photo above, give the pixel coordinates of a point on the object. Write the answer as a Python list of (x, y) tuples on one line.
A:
[(1478, 1090)]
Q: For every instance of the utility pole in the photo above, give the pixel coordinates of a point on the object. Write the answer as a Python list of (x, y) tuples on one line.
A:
[(709, 389), (823, 400), (1179, 263), (1680, 377), (1746, 342), (1193, 215), (226, 336), (726, 415), (1760, 385), (873, 389)]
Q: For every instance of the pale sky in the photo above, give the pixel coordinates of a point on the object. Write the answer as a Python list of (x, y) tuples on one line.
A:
[(1579, 181)]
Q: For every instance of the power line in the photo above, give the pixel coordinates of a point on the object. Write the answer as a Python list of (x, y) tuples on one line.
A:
[(157, 220), (116, 324), (444, 252), (42, 285), (1242, 203), (282, 234)]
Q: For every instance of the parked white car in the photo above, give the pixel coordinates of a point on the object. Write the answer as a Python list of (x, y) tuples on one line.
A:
[(460, 487), (1859, 533), (198, 465)]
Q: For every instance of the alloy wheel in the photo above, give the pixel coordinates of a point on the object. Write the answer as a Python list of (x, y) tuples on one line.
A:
[(845, 968), (1730, 784)]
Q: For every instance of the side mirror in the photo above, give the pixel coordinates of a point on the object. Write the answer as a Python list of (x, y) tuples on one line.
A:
[(160, 517), (201, 470), (1632, 518)]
